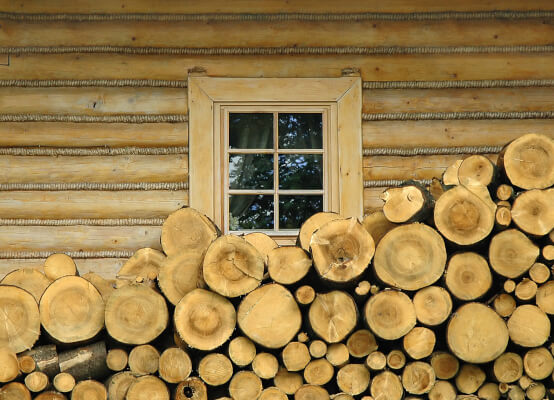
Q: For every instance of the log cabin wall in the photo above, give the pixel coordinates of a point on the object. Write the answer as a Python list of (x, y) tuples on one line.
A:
[(93, 100)]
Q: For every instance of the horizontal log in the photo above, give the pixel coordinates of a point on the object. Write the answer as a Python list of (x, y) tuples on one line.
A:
[(374, 68), (92, 134), (105, 267), (450, 133), (372, 201), (93, 101), (91, 204), (456, 100), (404, 168), (44, 169), (270, 6), (77, 238), (278, 33)]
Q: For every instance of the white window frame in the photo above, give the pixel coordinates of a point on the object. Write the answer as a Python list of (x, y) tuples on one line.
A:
[(208, 98)]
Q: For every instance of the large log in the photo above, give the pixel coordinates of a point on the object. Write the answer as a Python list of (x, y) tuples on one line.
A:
[(333, 315), (19, 319), (88, 362), (390, 314)]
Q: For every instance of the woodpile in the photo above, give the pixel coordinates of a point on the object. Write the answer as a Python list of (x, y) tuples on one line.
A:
[(447, 293)]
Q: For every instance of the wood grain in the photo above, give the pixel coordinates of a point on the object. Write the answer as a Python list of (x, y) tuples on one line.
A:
[(79, 237), (450, 133), (371, 199), (44, 169), (85, 134), (91, 204), (93, 101), (374, 68), (105, 267)]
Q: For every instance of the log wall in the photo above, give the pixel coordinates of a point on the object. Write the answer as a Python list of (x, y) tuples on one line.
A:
[(93, 102)]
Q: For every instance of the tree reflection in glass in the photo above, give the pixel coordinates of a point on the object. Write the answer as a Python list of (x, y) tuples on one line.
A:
[(250, 212)]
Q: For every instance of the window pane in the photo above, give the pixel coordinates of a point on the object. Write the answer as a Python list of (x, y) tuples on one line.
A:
[(294, 209), (250, 212), (250, 131), (300, 131), (300, 171), (251, 171)]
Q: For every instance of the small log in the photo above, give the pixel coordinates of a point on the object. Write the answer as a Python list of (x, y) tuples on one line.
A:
[(145, 264), (450, 174), (489, 391), (443, 390), (232, 267), (516, 393), (19, 319), (361, 343), (362, 290), (87, 362), (50, 395), (547, 252), (511, 253), (311, 225), (476, 334), (504, 192), (418, 377), (262, 242), (508, 368), (410, 202), (536, 391), (181, 273), (463, 217), (470, 378), (15, 391), (386, 385), (119, 384), (304, 295), (376, 361), (245, 385), (502, 218), (410, 257), (318, 348), (303, 337), (419, 342), (204, 320), (59, 265), (311, 392), (353, 379), (528, 161), (545, 297), (215, 369), (433, 305), (337, 354), (36, 381), (147, 387), (273, 393), (175, 365), (533, 212), (296, 356), (10, 365), (390, 314), (26, 364), (504, 305), (319, 372), (333, 315), (191, 388), (72, 310), (538, 363), (270, 316), (89, 390), (468, 276), (136, 314), (265, 365), (524, 382), (241, 351), (187, 229), (526, 289), (117, 359), (29, 279), (288, 264), (539, 273), (144, 360), (342, 250), (529, 326), (445, 365), (104, 286), (396, 359), (288, 382), (436, 188), (64, 382), (509, 286), (46, 359), (377, 225), (477, 169)]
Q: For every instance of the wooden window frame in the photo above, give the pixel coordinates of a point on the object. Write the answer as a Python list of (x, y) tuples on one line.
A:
[(209, 98)]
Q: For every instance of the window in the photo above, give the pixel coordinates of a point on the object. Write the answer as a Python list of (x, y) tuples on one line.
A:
[(266, 153)]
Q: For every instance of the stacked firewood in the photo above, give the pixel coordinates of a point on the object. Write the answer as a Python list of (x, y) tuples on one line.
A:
[(445, 293)]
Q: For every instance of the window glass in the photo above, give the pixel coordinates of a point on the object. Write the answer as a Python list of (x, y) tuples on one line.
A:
[(250, 130), (301, 171), (300, 131), (251, 212), (295, 209), (251, 171)]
